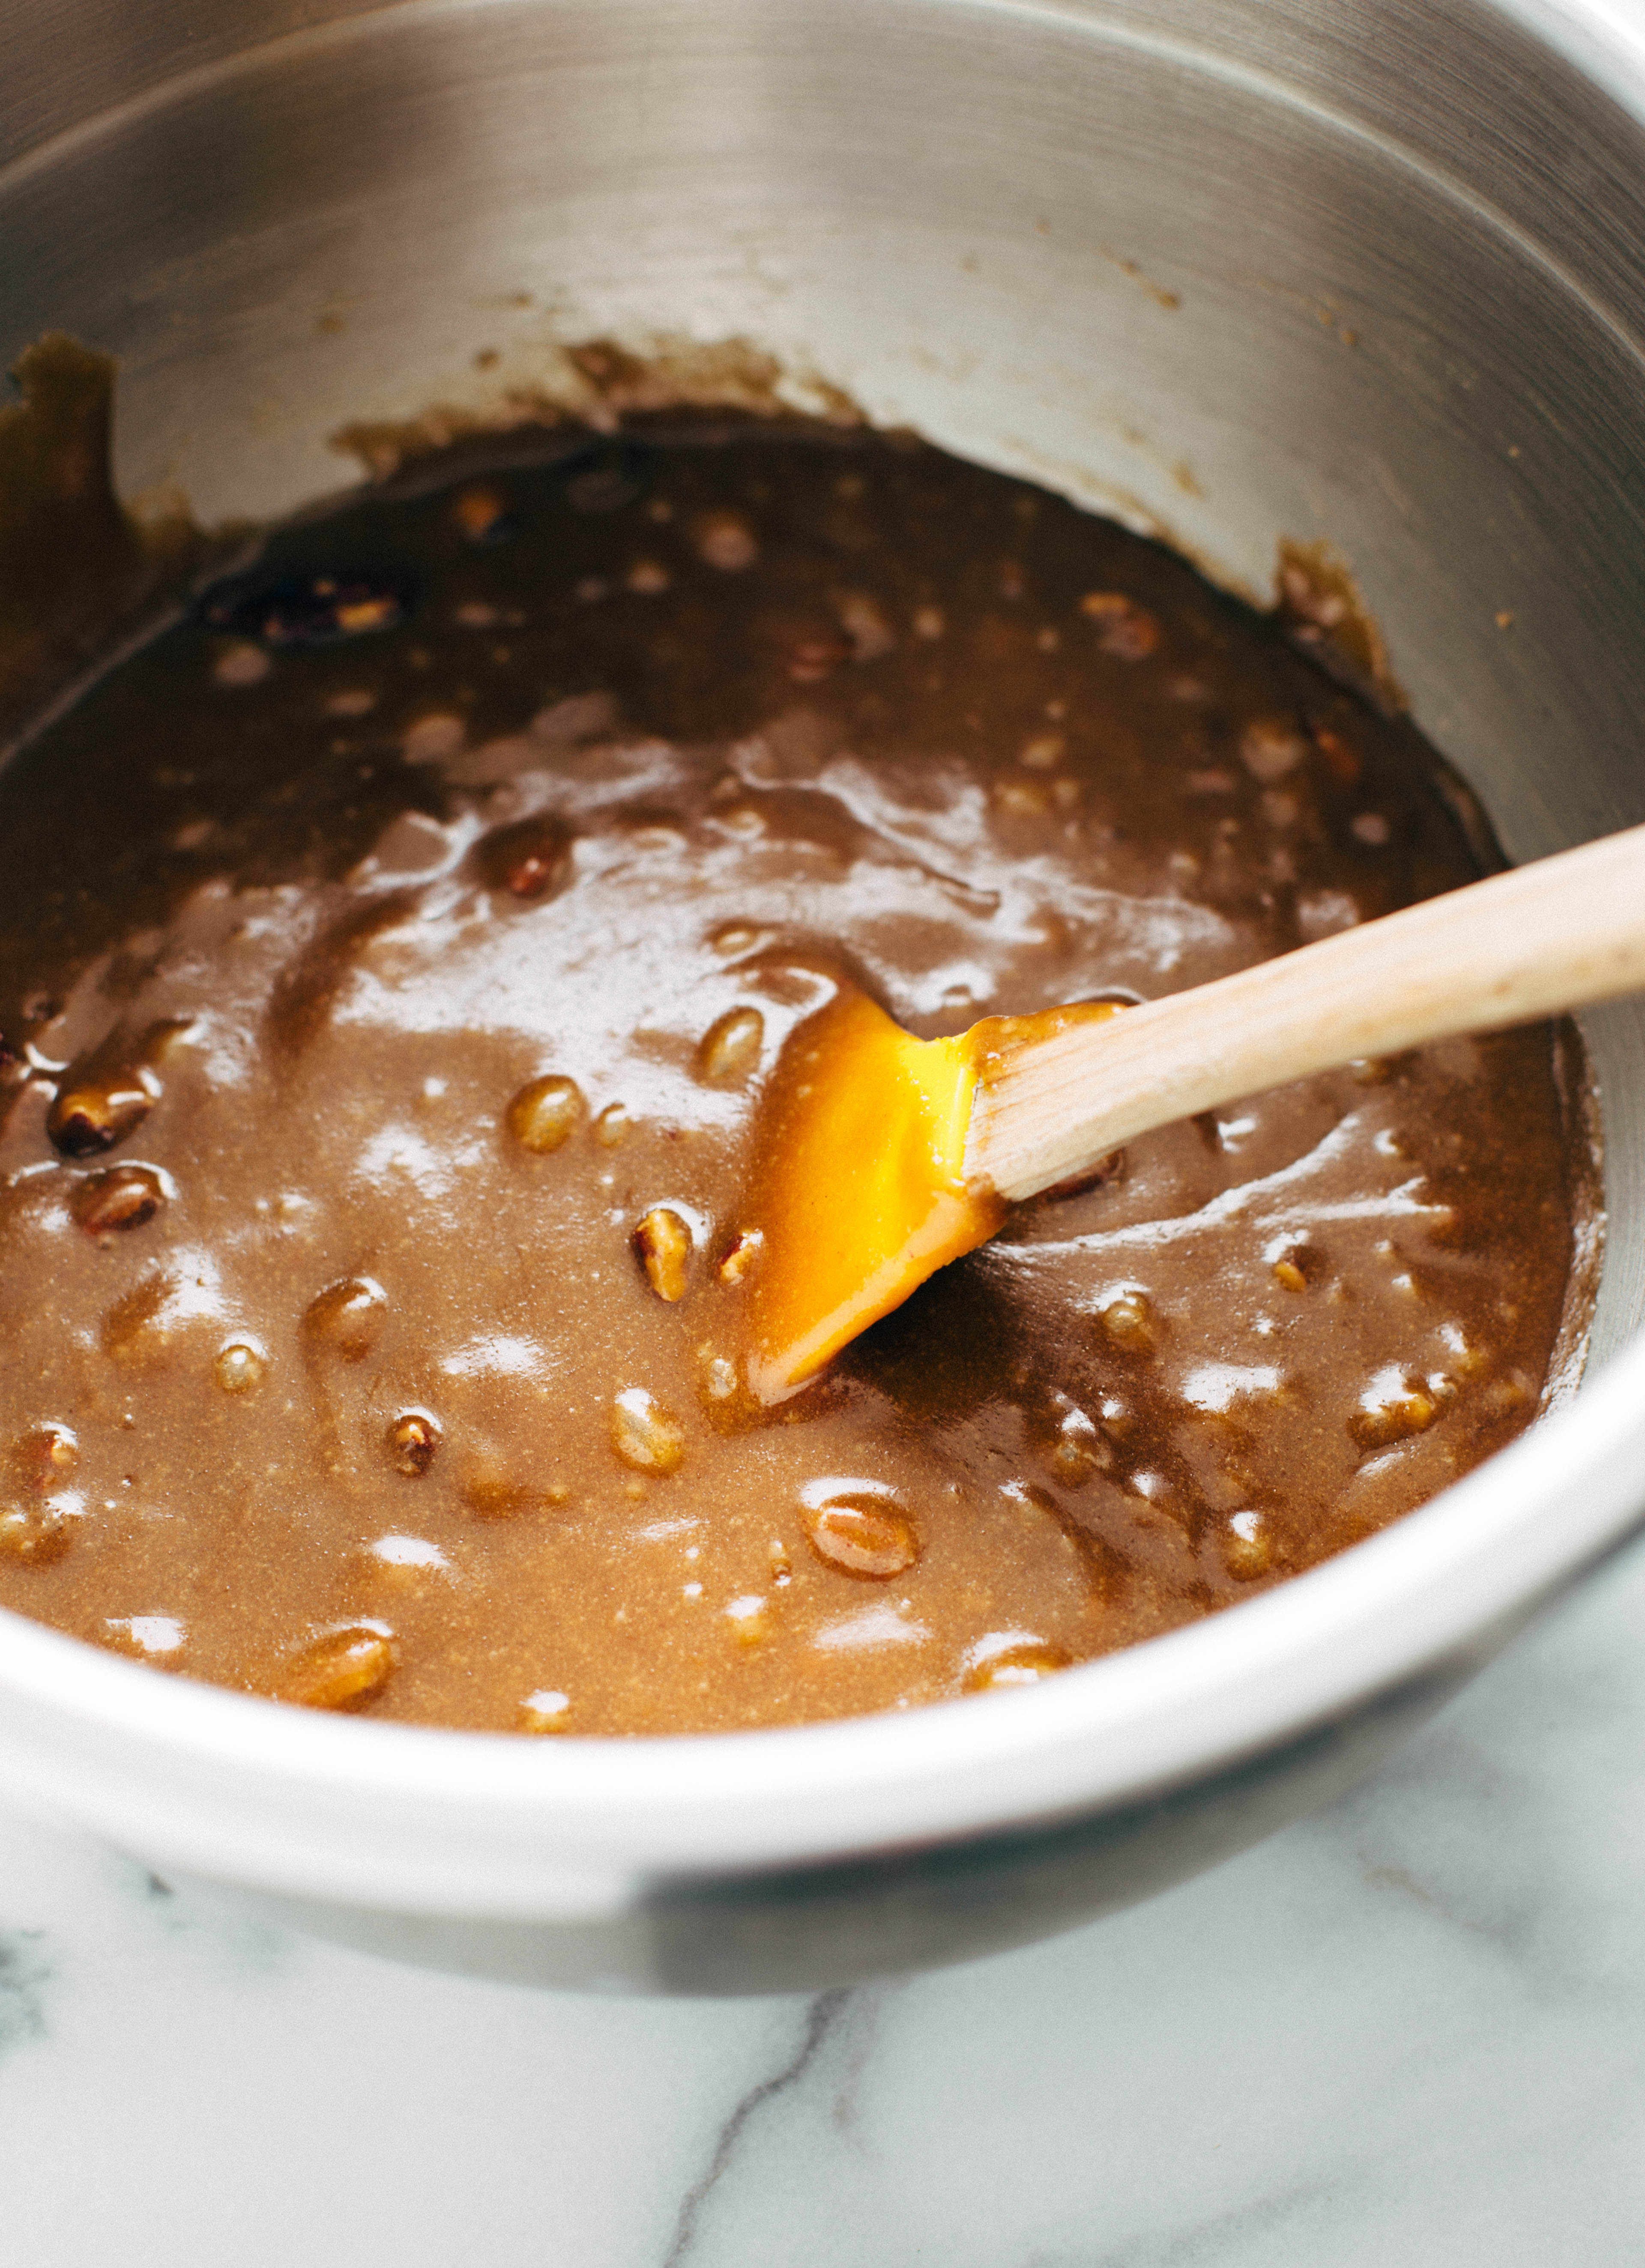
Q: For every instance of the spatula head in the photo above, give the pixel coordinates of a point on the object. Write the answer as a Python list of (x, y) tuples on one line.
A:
[(860, 1191)]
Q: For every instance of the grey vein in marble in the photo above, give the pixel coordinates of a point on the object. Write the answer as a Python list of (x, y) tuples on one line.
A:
[(821, 2016), (1193, 2247), (24, 1972)]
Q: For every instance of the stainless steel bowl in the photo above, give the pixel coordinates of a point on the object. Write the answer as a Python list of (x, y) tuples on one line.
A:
[(1374, 272)]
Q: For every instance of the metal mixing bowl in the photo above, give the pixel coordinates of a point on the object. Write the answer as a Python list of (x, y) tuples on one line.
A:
[(1372, 270)]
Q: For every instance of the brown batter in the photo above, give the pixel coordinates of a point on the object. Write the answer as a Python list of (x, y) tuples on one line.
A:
[(392, 955)]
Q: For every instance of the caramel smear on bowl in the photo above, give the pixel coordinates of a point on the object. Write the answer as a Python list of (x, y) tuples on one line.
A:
[(861, 1191)]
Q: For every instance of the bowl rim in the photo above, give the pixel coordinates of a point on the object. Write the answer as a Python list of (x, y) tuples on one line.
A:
[(252, 1792)]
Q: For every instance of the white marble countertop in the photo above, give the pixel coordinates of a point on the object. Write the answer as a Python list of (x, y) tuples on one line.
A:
[(1410, 2030)]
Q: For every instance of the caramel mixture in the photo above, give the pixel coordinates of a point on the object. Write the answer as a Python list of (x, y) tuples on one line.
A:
[(393, 956)]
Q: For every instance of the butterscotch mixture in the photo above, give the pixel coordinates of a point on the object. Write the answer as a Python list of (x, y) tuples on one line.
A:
[(392, 955)]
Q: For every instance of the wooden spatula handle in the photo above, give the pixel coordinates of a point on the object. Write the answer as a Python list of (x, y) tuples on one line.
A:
[(1560, 935)]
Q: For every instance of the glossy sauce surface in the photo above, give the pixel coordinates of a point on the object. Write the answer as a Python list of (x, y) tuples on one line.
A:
[(393, 958)]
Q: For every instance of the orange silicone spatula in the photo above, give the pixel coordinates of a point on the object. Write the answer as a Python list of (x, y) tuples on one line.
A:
[(884, 1157)]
